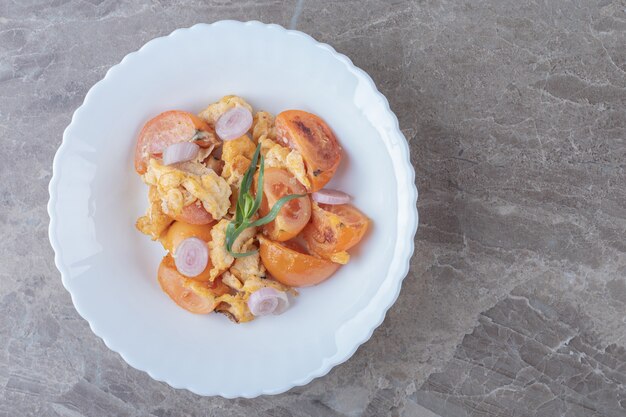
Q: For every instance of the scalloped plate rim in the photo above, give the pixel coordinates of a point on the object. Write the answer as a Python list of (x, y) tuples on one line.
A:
[(389, 298)]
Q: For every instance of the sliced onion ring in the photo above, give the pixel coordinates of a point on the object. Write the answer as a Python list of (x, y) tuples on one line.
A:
[(191, 256), (328, 196), (180, 152), (234, 123), (267, 301)]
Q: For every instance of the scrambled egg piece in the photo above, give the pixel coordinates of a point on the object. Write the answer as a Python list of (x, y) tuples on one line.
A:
[(278, 156), (231, 280), (220, 258), (242, 146), (155, 221), (180, 186), (243, 275), (248, 267), (237, 155), (254, 284), (263, 125), (235, 307), (215, 110), (342, 257)]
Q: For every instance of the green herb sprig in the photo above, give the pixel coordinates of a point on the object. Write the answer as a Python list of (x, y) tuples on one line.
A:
[(248, 205)]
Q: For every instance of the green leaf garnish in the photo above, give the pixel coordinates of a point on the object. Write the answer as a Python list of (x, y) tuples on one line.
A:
[(248, 205), (274, 211), (199, 135)]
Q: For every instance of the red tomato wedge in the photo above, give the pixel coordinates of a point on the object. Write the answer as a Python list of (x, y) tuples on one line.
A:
[(194, 213), (334, 228), (316, 142), (180, 231), (294, 215), (177, 287), (292, 267), (166, 129)]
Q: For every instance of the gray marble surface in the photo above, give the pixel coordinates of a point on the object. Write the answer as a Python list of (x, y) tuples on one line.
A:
[(515, 111)]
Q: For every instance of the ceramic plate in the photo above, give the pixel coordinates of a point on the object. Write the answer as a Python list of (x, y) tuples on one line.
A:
[(110, 269)]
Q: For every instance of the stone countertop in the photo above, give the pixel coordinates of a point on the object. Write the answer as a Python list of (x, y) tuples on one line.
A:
[(515, 112)]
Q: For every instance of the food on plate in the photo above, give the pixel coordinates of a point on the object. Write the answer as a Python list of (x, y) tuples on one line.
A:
[(294, 215), (194, 296), (334, 229), (292, 267), (237, 200), (312, 138), (169, 128)]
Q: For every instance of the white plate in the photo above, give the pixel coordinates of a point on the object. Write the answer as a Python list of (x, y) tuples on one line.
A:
[(110, 269)]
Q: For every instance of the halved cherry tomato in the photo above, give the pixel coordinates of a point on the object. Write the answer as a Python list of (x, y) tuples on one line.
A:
[(193, 296), (180, 231), (166, 129), (194, 213), (294, 268), (316, 142), (334, 228), (294, 214)]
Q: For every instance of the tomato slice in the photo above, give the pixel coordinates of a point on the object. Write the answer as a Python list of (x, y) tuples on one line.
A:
[(294, 268), (334, 228), (166, 129), (316, 142), (180, 231), (196, 297), (194, 213), (294, 214)]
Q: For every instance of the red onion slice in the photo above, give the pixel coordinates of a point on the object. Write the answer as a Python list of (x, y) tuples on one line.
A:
[(328, 196), (191, 256), (267, 301), (283, 303), (180, 152), (234, 123)]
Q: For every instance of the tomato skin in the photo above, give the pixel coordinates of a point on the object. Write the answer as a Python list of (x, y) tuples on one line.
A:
[(334, 228), (194, 213), (293, 268), (178, 288), (180, 231), (166, 129), (314, 140), (294, 215)]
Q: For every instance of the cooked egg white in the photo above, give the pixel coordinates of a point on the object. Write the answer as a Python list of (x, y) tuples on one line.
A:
[(248, 267), (237, 155), (215, 110), (235, 307), (181, 184), (220, 258), (155, 221), (278, 156), (263, 125)]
